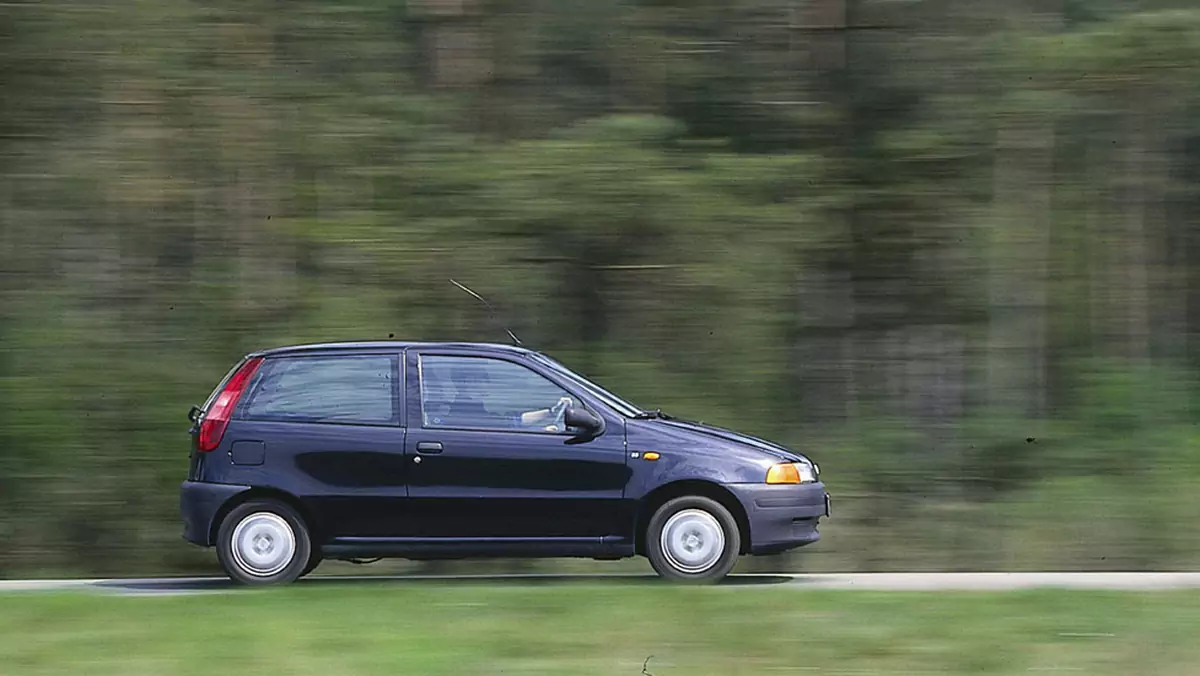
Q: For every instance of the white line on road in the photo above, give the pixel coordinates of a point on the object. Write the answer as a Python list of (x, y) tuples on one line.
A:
[(912, 582), (1000, 581)]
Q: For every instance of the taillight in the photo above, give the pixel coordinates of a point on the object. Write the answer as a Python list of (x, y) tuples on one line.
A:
[(212, 426)]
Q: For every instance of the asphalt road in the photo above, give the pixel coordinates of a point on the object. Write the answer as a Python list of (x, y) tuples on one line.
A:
[(852, 581)]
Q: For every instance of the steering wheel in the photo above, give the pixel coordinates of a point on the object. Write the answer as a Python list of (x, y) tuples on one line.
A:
[(559, 413)]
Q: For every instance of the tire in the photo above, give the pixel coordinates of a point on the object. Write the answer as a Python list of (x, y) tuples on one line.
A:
[(263, 542), (314, 560), (693, 539)]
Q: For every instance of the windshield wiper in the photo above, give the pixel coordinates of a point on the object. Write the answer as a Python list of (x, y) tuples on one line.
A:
[(656, 414)]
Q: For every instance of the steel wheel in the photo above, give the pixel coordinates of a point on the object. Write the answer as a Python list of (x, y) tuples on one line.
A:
[(693, 539), (263, 542)]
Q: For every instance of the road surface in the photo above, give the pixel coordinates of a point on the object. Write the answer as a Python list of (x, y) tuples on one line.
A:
[(978, 582)]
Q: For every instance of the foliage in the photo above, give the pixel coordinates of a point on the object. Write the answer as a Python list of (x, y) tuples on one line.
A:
[(949, 250)]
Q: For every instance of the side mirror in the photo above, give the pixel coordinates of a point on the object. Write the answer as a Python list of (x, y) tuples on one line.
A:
[(584, 420)]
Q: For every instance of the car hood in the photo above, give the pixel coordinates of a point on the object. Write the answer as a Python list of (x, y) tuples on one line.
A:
[(733, 441)]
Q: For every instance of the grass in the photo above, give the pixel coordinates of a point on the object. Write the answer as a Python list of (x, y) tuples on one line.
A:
[(423, 628)]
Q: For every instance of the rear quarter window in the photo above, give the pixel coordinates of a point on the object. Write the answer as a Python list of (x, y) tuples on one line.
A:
[(352, 389)]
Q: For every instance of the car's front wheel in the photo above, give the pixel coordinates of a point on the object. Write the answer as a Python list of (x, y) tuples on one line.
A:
[(263, 542), (693, 539)]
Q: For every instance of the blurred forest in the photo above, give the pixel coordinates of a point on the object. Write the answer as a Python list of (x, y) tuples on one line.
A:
[(947, 247)]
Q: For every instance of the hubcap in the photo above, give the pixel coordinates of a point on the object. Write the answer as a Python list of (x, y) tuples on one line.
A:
[(263, 544), (692, 540)]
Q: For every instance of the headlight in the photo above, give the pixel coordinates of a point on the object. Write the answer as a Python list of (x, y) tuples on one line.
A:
[(792, 473)]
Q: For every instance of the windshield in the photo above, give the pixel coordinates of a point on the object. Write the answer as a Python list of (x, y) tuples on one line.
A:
[(623, 407)]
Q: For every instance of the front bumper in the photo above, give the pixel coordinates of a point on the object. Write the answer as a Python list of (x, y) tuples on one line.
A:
[(198, 505), (782, 517)]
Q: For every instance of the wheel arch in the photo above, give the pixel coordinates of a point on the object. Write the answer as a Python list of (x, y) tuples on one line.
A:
[(258, 493), (676, 489)]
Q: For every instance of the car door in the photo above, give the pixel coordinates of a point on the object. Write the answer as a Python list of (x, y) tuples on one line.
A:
[(478, 471), (329, 429)]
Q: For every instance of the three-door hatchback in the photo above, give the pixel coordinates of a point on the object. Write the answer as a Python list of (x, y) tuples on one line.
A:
[(454, 450)]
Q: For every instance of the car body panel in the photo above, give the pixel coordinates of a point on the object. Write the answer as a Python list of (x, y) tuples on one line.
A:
[(781, 518), (692, 451), (530, 484), (199, 504), (352, 479), (527, 485)]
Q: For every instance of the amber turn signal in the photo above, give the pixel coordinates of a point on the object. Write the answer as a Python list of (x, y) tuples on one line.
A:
[(786, 473), (651, 455)]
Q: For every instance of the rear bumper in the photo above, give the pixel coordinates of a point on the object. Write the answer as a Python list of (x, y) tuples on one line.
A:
[(198, 505), (782, 517)]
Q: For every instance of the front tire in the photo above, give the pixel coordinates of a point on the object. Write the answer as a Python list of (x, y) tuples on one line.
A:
[(693, 539), (263, 542)]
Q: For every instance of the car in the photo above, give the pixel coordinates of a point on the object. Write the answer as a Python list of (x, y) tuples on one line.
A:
[(422, 451)]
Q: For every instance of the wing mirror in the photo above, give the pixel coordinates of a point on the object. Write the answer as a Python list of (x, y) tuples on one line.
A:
[(588, 423)]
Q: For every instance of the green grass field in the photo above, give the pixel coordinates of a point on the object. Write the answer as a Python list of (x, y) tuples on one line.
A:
[(424, 628)]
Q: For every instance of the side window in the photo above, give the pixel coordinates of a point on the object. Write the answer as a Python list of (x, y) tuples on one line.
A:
[(476, 392), (350, 389)]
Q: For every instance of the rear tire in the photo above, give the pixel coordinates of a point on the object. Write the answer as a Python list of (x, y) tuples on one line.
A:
[(263, 542), (693, 539), (314, 560)]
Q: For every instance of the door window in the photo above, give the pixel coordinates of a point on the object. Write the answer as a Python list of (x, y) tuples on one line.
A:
[(351, 389), (482, 393)]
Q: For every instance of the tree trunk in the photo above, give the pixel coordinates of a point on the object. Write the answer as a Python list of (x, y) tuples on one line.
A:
[(1023, 181), (1135, 275)]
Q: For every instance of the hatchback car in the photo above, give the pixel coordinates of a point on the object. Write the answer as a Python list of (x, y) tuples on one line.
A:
[(455, 450)]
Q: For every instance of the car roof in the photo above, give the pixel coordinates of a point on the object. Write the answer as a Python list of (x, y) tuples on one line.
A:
[(388, 345)]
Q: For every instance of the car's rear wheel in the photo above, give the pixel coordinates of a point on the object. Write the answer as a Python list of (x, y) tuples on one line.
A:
[(693, 539), (314, 560), (263, 542)]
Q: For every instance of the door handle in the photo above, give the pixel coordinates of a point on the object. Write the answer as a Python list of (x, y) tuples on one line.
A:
[(429, 447)]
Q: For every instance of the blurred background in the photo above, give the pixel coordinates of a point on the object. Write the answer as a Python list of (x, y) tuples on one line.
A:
[(947, 247)]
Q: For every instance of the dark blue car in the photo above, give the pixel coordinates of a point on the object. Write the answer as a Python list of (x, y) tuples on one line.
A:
[(446, 450)]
